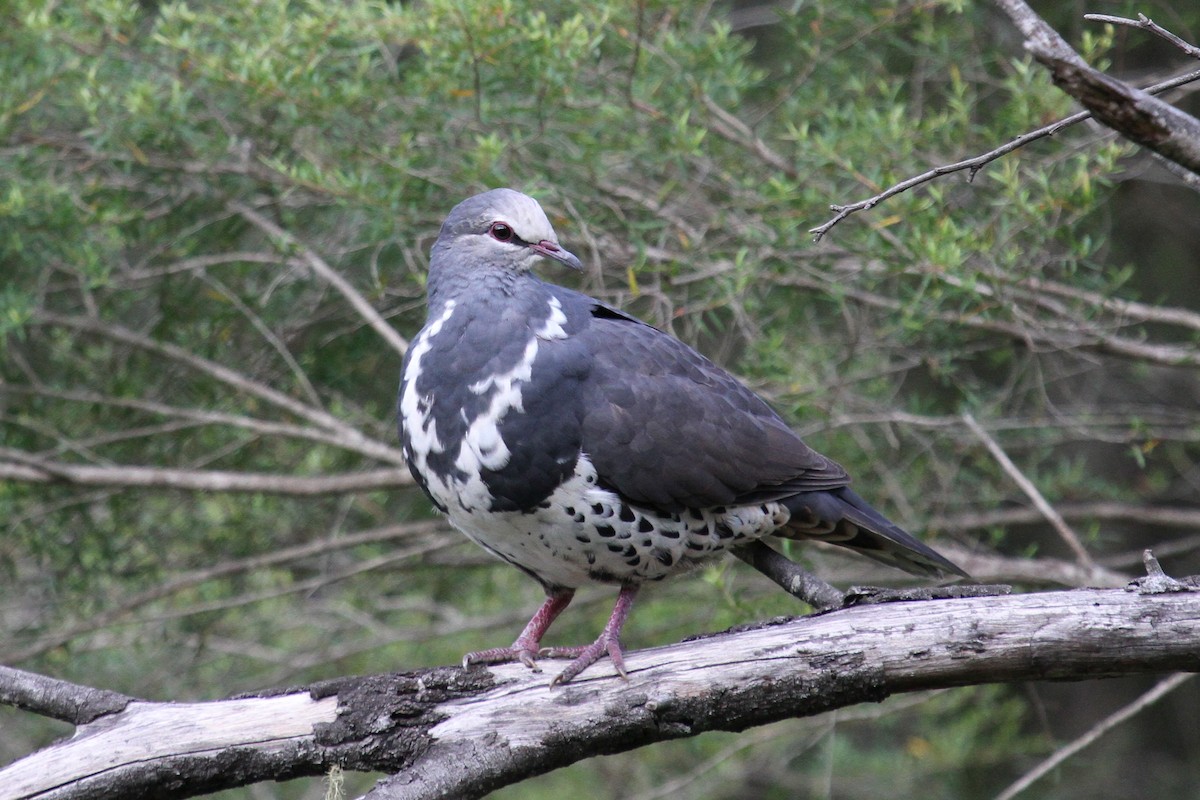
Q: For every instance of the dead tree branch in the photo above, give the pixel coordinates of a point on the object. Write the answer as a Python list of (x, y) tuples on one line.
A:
[(327, 273), (974, 164), (16, 466), (349, 437), (448, 732), (1135, 114), (1148, 24)]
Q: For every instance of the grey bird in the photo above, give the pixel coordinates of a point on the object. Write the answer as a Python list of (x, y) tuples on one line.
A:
[(582, 445)]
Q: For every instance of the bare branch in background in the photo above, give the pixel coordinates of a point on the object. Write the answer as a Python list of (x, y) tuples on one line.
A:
[(1062, 336), (327, 273), (1134, 113), (1031, 491), (416, 534), (17, 466), (349, 436), (199, 416), (1160, 690), (973, 165), (1145, 23)]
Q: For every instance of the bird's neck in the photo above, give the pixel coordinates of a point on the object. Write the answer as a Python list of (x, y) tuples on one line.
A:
[(447, 283)]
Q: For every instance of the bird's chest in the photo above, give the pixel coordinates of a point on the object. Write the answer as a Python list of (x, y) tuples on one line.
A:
[(471, 405), (583, 532)]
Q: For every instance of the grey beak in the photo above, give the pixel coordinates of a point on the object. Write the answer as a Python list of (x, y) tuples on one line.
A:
[(549, 249)]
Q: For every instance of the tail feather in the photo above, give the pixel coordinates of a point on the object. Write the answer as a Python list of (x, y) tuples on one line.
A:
[(841, 517)]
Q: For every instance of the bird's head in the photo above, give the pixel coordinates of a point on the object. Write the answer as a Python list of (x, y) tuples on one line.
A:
[(499, 228)]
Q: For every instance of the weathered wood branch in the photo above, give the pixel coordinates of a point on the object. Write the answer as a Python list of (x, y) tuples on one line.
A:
[(1135, 114), (57, 699), (973, 165), (447, 732)]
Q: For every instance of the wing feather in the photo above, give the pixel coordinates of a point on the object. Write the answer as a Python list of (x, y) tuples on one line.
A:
[(668, 428)]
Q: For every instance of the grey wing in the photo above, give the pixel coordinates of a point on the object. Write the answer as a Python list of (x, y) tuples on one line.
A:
[(666, 427)]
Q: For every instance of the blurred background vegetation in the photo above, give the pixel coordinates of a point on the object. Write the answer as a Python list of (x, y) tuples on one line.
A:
[(200, 488)]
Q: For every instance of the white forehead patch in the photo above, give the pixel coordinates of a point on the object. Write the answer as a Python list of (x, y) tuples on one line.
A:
[(526, 217)]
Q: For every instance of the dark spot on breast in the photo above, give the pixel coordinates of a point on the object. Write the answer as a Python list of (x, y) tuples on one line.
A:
[(663, 557), (605, 531), (645, 525), (626, 514)]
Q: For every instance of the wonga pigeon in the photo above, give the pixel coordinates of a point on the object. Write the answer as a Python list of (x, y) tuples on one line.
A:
[(580, 444)]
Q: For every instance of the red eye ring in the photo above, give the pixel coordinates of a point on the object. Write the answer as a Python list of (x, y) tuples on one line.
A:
[(502, 232)]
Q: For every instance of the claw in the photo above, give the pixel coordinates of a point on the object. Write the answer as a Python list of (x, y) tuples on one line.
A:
[(608, 643), (525, 648), (504, 655)]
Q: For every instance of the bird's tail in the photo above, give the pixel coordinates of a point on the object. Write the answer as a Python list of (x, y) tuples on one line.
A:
[(841, 517)]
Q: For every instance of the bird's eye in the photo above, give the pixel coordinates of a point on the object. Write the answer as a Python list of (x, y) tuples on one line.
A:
[(502, 232)]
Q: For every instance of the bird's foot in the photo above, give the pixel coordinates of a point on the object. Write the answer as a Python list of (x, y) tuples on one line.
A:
[(525, 652), (525, 648), (608, 644)]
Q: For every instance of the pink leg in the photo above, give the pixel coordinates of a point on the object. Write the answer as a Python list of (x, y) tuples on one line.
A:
[(608, 643), (525, 648)]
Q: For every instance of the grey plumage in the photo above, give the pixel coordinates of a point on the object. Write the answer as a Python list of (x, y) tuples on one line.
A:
[(582, 445)]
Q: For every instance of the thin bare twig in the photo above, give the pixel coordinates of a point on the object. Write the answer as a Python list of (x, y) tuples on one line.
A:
[(260, 427), (354, 438), (1162, 688), (327, 273), (186, 580), (18, 466), (1039, 501), (1145, 23), (972, 165), (1133, 113), (1069, 337), (1156, 515), (975, 164), (268, 336)]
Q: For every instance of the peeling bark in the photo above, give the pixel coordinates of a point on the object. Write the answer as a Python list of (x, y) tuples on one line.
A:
[(449, 732)]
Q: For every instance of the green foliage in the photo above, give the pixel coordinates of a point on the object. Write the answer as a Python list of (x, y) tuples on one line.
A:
[(686, 162)]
